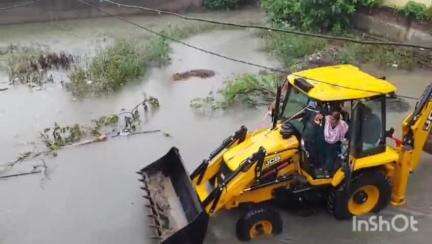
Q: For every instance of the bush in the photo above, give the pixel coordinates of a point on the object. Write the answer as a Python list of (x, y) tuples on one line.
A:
[(157, 51), (414, 11), (356, 54), (248, 89), (323, 15), (429, 13), (109, 70), (117, 64), (370, 3), (221, 4)]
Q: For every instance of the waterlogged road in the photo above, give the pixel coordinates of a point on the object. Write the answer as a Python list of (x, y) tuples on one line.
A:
[(91, 193)]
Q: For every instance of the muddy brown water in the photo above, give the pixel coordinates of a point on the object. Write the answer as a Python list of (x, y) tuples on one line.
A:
[(92, 195)]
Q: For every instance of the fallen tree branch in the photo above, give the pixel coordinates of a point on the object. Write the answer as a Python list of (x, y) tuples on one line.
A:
[(21, 174)]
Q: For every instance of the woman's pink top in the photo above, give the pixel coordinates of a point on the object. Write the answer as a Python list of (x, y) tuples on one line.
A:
[(333, 135)]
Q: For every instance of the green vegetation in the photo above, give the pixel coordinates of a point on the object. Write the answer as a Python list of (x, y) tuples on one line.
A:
[(247, 89), (289, 49), (113, 67), (221, 4), (58, 136), (157, 51), (416, 11), (297, 53), (429, 13), (125, 61), (19, 65), (30, 65), (323, 15), (403, 58), (103, 122)]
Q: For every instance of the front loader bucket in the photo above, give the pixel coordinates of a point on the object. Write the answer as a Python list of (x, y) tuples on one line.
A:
[(175, 210)]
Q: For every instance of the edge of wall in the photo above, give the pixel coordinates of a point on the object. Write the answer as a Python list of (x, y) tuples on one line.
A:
[(383, 22), (53, 10)]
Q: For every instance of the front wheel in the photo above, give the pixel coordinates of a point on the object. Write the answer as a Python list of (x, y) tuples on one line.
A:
[(257, 222), (369, 192)]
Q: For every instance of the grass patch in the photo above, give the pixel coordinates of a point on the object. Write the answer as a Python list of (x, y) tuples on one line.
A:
[(290, 49), (403, 58), (297, 53), (125, 61), (110, 69), (248, 89)]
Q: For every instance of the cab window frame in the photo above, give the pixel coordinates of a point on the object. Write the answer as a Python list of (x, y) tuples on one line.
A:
[(357, 142)]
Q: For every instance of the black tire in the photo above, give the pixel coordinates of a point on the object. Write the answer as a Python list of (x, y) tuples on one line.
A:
[(252, 219), (338, 199)]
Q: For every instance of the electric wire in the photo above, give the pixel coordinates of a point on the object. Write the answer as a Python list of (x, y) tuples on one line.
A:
[(224, 56), (251, 26), (24, 4)]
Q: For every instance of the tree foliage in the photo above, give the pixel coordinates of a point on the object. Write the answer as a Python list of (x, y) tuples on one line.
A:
[(315, 15)]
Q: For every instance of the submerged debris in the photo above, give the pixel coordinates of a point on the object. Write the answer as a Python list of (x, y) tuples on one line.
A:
[(31, 66), (34, 171), (59, 136), (247, 89), (124, 123), (202, 73)]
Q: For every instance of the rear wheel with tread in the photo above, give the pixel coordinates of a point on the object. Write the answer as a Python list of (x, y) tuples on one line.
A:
[(369, 192)]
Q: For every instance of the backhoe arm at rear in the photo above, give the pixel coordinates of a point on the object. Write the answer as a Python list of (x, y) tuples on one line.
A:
[(416, 129)]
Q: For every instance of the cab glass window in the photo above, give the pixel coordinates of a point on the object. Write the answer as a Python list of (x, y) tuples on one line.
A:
[(369, 127)]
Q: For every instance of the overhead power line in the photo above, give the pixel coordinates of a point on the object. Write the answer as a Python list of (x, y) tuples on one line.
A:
[(251, 26), (182, 42), (19, 5), (160, 34)]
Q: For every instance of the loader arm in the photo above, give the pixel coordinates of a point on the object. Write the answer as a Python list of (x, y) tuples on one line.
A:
[(416, 128)]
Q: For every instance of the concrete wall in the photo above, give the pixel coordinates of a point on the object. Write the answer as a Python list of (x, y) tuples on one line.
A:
[(48, 10), (401, 3), (393, 28)]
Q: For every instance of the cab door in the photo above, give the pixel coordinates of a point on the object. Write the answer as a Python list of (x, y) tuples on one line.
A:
[(368, 127)]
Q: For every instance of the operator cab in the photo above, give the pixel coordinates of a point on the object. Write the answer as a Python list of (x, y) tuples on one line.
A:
[(321, 90)]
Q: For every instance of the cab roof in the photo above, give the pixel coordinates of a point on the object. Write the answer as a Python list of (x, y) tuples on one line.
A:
[(339, 82)]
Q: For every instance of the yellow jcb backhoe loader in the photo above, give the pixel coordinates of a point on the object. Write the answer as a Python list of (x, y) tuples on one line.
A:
[(250, 169)]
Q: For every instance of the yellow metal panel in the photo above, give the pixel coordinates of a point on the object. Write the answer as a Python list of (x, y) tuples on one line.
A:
[(390, 155), (342, 82), (337, 178), (255, 196), (271, 140)]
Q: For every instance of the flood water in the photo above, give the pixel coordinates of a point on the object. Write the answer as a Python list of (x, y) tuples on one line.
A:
[(92, 195)]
